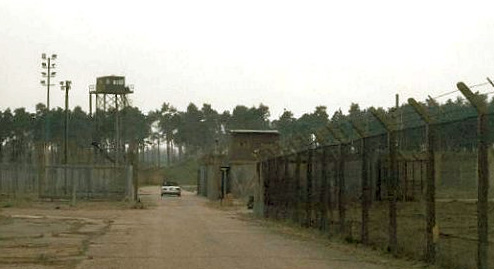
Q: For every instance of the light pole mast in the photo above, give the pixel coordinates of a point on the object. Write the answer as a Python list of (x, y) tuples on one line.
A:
[(49, 65)]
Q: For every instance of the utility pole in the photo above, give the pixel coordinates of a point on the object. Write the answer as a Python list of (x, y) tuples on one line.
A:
[(66, 85)]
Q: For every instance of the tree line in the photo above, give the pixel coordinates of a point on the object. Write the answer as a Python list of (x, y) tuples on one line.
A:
[(200, 129)]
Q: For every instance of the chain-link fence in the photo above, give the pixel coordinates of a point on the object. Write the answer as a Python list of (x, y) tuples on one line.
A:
[(65, 181), (414, 183)]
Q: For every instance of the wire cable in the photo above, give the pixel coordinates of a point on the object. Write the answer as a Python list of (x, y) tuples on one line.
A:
[(445, 94), (478, 85), (451, 92)]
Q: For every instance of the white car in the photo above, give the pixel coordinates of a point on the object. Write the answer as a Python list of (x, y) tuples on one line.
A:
[(170, 188)]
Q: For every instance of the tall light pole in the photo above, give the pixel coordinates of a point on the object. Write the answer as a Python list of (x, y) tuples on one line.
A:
[(47, 73), (47, 65)]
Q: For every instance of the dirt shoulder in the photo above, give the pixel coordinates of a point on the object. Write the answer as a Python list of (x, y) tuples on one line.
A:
[(52, 234), (360, 254)]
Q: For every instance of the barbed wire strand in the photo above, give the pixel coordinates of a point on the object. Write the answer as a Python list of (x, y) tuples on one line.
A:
[(451, 92)]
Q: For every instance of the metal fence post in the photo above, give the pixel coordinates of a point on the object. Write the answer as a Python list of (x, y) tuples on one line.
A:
[(277, 191), (341, 189), (297, 195), (365, 201), (340, 168), (392, 180), (268, 181), (265, 182), (430, 195), (74, 187), (483, 174), (324, 191), (285, 187), (332, 186), (392, 183), (134, 161), (41, 148), (308, 201)]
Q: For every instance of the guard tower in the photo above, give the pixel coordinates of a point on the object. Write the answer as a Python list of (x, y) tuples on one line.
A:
[(111, 95)]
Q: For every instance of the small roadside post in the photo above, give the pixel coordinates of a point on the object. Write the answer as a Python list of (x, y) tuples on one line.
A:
[(224, 182)]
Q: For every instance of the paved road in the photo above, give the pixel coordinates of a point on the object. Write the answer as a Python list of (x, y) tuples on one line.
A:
[(183, 232)]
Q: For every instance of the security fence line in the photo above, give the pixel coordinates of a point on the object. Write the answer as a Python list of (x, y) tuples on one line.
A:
[(352, 176), (66, 181)]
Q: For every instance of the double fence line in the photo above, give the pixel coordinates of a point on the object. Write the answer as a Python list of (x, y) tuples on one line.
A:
[(285, 199)]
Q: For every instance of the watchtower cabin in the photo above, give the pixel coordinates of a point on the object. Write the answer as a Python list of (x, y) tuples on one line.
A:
[(110, 92), (111, 85)]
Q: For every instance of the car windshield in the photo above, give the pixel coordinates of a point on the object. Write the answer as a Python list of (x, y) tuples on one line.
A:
[(170, 183)]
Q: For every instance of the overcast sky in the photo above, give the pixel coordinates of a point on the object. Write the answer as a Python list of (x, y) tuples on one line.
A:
[(292, 55)]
